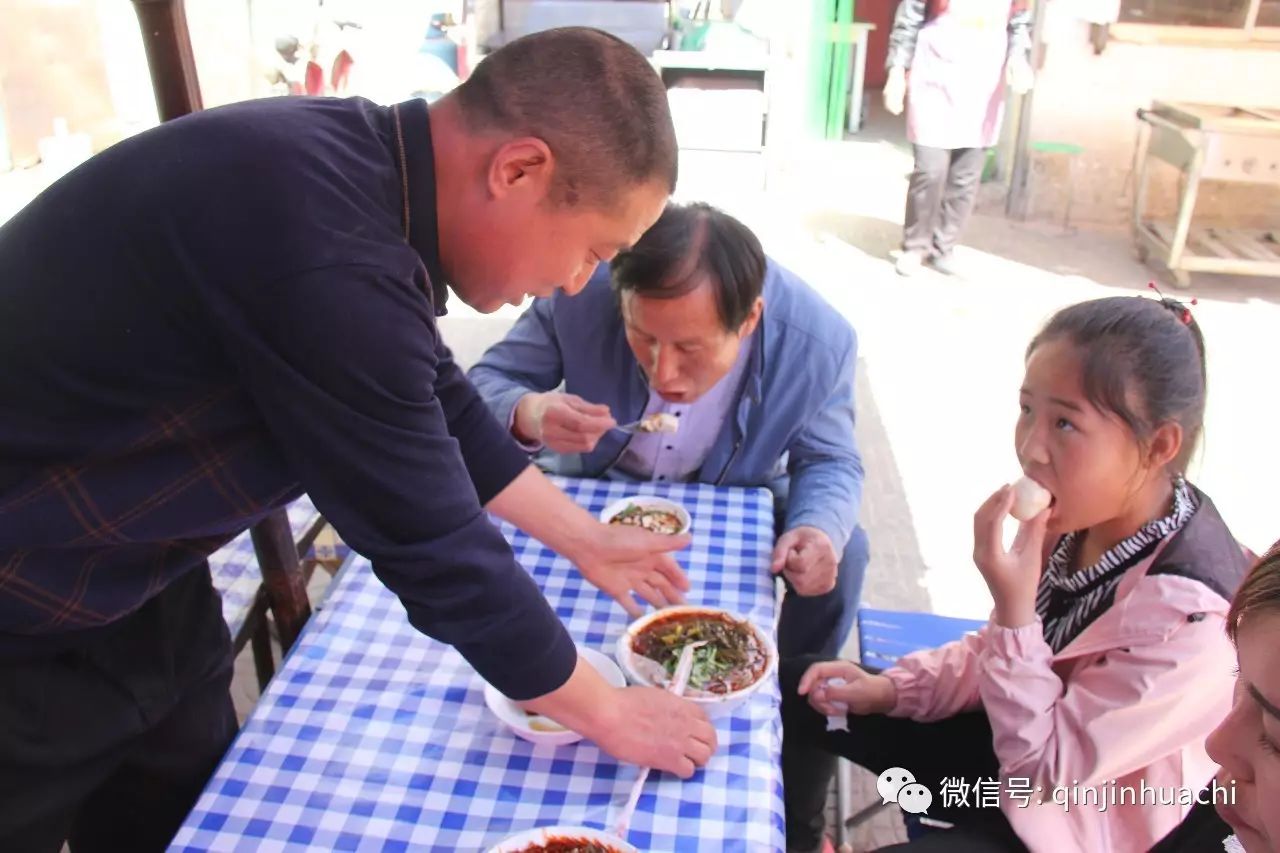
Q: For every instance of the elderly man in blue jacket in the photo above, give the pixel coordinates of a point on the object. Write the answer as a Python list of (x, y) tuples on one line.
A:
[(758, 371)]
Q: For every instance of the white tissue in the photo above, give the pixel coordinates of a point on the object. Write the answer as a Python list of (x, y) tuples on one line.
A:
[(838, 723)]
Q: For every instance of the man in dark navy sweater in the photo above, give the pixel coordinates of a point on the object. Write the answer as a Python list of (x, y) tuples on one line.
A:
[(214, 316)]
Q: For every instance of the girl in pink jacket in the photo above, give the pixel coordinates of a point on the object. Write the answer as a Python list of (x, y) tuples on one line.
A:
[(1075, 720)]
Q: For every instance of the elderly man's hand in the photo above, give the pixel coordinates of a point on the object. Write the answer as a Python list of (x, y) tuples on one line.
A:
[(621, 560), (565, 423), (806, 557)]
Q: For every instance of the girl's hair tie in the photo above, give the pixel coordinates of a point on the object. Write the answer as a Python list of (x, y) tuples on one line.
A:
[(1178, 307)]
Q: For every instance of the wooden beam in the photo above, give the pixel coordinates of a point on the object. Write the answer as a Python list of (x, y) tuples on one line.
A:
[(282, 575), (1245, 244), (1251, 17), (169, 57), (1018, 201), (177, 91)]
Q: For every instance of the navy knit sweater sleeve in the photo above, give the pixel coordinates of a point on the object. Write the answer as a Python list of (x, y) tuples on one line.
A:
[(399, 453)]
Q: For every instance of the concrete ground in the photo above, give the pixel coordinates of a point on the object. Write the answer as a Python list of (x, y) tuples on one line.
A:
[(940, 359)]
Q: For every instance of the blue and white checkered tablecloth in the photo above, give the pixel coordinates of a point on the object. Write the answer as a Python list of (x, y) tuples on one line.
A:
[(375, 737), (234, 566)]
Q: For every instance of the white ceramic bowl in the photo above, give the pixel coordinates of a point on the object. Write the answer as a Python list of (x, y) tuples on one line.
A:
[(649, 502), (544, 834), (514, 718), (714, 706)]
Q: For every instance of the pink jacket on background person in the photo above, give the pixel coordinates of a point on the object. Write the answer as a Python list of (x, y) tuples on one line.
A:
[(1130, 699)]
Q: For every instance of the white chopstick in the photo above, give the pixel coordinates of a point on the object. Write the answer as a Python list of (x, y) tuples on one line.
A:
[(678, 684)]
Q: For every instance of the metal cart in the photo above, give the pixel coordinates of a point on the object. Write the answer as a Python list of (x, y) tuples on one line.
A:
[(1207, 142)]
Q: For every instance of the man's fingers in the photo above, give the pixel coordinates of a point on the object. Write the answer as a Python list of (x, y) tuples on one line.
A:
[(597, 410), (661, 543), (580, 416), (654, 594), (812, 582), (800, 558), (671, 574), (780, 556), (561, 440), (575, 423), (628, 602), (634, 539), (782, 551), (705, 733), (665, 587), (699, 752), (659, 583), (647, 593), (683, 767), (592, 426)]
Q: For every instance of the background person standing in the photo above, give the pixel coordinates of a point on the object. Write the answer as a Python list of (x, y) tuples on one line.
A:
[(959, 54)]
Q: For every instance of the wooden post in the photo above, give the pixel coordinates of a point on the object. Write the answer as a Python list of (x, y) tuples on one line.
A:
[(282, 574), (169, 57), (1017, 203), (177, 91)]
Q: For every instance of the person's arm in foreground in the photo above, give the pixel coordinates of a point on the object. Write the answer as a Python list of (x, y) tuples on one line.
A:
[(366, 431), (619, 560)]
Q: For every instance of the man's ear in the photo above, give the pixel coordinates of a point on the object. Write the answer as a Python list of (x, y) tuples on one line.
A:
[(520, 166), (753, 318)]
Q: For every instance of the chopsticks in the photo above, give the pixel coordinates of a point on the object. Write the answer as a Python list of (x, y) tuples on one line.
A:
[(679, 682)]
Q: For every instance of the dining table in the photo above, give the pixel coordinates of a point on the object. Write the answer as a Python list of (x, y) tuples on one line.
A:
[(375, 737)]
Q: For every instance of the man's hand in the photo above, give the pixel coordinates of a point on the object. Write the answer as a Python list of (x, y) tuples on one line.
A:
[(640, 725), (621, 560), (895, 90), (807, 559), (617, 559), (862, 692), (654, 728), (1013, 576), (565, 423)]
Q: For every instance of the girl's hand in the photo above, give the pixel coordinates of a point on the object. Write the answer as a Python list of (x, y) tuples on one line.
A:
[(862, 693), (1013, 575)]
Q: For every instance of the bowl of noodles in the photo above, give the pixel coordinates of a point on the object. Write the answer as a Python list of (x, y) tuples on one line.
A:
[(564, 839), (657, 515), (537, 728), (735, 660)]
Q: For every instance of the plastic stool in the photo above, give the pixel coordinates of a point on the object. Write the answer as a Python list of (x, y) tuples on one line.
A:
[(884, 636)]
